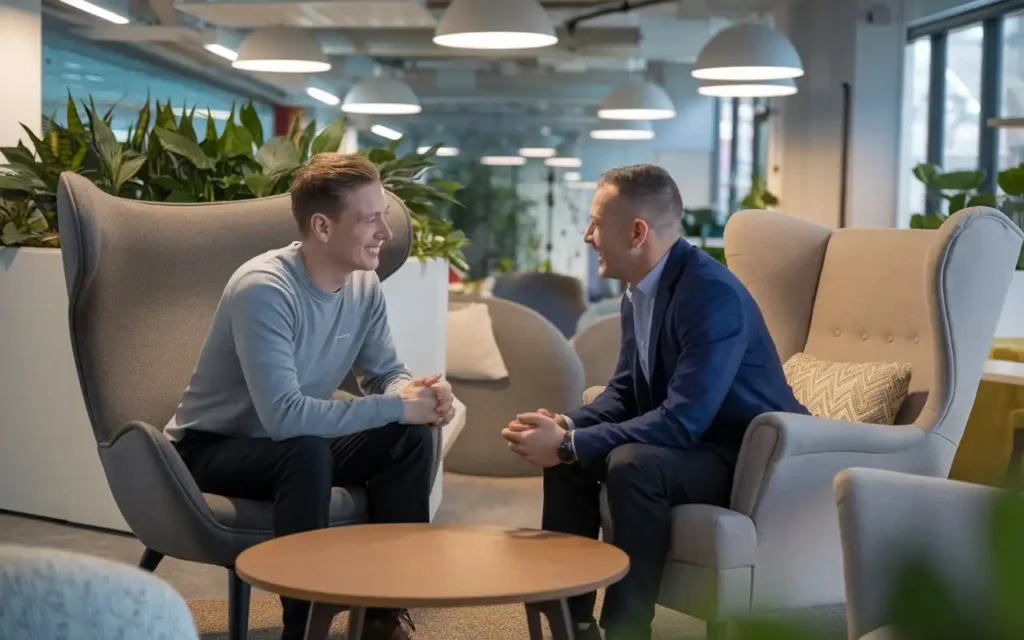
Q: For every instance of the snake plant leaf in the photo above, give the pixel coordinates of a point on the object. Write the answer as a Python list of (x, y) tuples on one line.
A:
[(183, 147)]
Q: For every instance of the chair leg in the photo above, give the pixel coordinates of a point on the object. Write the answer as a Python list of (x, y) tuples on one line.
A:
[(150, 559), (718, 630), (238, 607)]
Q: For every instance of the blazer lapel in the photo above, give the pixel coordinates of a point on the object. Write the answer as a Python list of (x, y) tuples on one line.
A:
[(673, 268)]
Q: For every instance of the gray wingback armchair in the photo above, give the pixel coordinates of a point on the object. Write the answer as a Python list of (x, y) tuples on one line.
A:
[(143, 282), (931, 298)]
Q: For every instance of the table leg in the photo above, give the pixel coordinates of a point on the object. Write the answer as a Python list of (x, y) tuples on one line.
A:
[(557, 613), (321, 616)]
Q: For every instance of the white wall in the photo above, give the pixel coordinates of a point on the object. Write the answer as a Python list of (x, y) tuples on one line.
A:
[(839, 46), (21, 46)]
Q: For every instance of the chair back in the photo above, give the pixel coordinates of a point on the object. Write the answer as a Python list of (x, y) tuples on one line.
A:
[(543, 372), (598, 345), (557, 297), (931, 298), (144, 280)]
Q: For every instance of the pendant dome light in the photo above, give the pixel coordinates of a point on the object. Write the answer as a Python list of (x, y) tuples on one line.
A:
[(748, 52), (637, 100), (381, 96), (623, 130), (747, 89), (538, 146), (495, 24), (281, 50), (566, 157)]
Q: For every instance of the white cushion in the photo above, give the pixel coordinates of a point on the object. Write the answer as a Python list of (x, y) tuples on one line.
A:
[(472, 351)]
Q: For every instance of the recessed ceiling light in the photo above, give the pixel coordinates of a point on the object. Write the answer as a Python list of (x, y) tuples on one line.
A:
[(325, 97), (99, 12), (386, 132), (495, 24), (281, 50), (748, 52), (222, 51)]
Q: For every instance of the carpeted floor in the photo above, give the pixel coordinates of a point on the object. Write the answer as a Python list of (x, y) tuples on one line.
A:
[(475, 623)]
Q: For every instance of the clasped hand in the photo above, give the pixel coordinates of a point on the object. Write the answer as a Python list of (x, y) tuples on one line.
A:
[(428, 400), (535, 436)]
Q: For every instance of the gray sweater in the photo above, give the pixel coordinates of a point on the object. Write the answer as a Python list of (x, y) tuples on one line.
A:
[(280, 346)]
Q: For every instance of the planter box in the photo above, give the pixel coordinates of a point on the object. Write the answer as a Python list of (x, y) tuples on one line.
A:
[(1011, 320), (48, 461)]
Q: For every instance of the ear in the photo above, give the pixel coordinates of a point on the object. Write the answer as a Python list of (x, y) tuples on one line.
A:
[(319, 227), (641, 230)]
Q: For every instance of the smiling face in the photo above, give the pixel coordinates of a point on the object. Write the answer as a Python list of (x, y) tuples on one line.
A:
[(615, 232), (353, 238)]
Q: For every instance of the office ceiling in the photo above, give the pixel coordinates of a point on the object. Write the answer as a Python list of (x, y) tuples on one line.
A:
[(502, 92)]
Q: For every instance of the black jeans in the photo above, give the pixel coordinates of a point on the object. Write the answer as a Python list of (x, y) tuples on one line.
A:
[(394, 463), (643, 483)]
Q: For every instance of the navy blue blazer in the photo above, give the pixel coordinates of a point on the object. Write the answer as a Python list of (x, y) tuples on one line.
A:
[(713, 366)]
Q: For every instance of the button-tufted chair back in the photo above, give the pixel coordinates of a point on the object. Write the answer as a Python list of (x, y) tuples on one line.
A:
[(930, 298)]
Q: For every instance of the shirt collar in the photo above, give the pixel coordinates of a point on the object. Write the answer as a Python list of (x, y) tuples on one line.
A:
[(649, 285)]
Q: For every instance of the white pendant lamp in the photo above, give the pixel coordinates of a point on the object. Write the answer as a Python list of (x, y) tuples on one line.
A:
[(445, 146), (566, 157), (623, 130), (495, 24), (748, 52), (281, 50), (637, 100), (381, 96), (537, 146), (747, 89)]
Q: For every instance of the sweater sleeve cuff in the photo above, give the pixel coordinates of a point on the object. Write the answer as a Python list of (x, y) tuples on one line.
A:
[(390, 408)]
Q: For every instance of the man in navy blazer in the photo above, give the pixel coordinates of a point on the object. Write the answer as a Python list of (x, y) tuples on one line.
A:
[(696, 366)]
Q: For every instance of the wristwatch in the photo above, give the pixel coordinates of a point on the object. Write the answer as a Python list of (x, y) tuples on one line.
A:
[(566, 450)]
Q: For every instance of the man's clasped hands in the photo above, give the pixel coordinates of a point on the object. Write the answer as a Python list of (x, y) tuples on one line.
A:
[(428, 400)]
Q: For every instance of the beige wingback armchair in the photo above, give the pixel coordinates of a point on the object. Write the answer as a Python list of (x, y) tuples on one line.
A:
[(931, 298)]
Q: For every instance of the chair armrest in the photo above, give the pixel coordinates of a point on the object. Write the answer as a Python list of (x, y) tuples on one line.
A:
[(784, 452), (591, 393)]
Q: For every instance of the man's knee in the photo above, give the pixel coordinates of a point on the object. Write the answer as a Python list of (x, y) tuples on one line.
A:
[(631, 466)]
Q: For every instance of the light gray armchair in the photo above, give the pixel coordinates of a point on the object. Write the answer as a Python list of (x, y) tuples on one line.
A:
[(143, 282), (887, 519), (931, 298)]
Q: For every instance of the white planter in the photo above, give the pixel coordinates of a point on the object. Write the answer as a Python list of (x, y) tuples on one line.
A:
[(48, 461), (1011, 320)]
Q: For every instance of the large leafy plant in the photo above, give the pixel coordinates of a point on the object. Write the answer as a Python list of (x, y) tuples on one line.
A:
[(164, 160)]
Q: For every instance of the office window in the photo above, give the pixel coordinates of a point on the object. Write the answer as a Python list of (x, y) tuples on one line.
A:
[(725, 159), (745, 152), (1011, 141), (963, 99), (917, 69)]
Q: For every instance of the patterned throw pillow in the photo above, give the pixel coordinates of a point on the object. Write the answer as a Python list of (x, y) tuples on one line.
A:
[(869, 392)]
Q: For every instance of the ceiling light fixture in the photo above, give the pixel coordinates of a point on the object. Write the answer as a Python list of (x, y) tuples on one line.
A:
[(538, 146), (751, 89), (748, 52), (623, 130), (443, 151), (495, 24), (573, 176), (503, 161), (99, 12), (323, 96), (222, 51), (386, 132), (637, 100), (281, 50), (381, 96), (564, 162)]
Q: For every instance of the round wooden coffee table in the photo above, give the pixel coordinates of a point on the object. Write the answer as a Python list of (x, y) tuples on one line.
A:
[(431, 565)]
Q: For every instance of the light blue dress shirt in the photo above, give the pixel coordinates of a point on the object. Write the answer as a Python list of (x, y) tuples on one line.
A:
[(642, 298)]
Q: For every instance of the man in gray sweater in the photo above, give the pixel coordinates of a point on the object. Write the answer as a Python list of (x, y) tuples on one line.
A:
[(258, 420)]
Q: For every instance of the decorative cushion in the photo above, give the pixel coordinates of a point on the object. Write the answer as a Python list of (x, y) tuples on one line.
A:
[(472, 351), (869, 392)]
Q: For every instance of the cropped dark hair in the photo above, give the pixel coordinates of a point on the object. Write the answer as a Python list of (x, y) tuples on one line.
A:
[(648, 185)]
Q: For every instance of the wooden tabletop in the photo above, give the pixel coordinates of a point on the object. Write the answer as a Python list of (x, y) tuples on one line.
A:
[(430, 565)]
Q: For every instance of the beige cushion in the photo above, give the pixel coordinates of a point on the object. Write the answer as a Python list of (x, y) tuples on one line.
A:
[(869, 392), (472, 351)]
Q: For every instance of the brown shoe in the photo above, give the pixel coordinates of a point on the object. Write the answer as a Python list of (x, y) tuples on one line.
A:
[(396, 625)]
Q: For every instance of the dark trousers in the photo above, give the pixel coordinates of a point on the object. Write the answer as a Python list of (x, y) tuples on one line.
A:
[(394, 463), (643, 483)]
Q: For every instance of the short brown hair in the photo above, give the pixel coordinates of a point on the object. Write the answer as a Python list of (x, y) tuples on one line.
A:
[(650, 185), (320, 185)]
